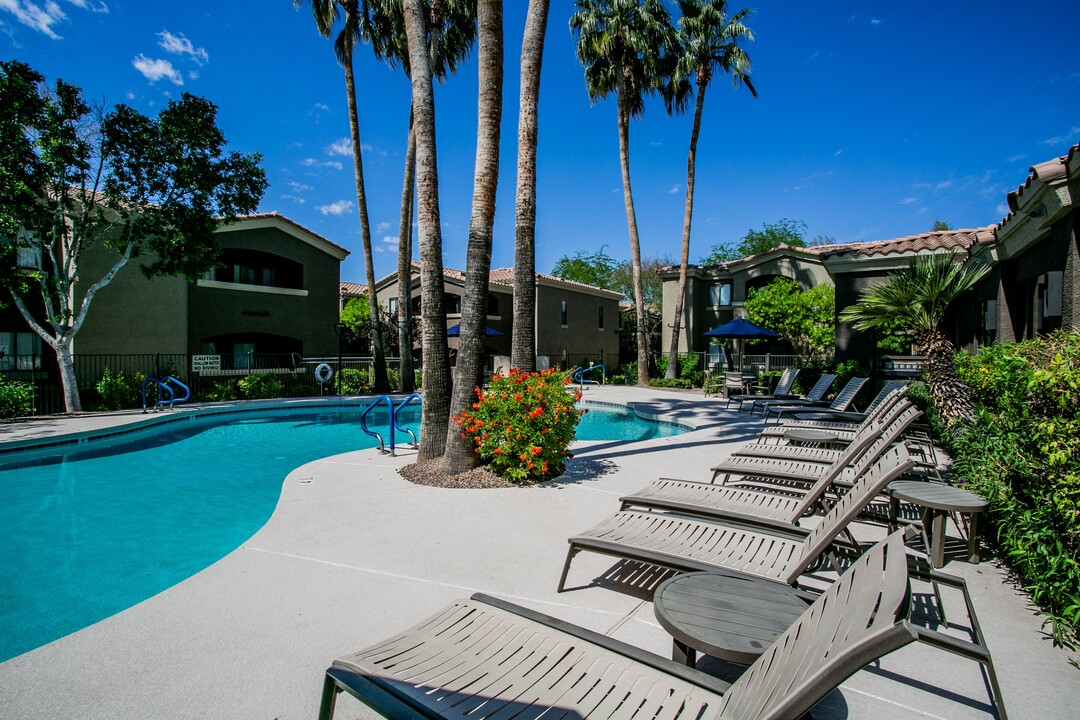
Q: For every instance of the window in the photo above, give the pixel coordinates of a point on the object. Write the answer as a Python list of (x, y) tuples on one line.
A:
[(453, 304), (252, 267), (720, 294), (20, 351), (562, 314), (493, 305), (601, 317), (393, 306)]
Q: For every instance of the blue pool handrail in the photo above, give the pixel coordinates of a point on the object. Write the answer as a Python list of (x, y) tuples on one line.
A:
[(363, 422), (579, 375), (398, 426), (163, 385)]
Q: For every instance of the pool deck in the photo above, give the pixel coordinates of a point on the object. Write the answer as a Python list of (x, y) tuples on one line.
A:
[(353, 553)]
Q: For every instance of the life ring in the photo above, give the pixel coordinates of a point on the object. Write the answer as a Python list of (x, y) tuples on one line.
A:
[(323, 373)]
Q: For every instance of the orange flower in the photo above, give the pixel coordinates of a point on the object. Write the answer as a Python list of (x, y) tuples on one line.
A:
[(536, 450), (498, 451)]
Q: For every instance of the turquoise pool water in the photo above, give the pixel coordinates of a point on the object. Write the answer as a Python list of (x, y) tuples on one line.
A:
[(93, 530)]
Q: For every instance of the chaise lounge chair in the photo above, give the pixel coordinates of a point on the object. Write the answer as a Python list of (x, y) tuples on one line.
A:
[(687, 543), (485, 658), (852, 417), (841, 402), (813, 396), (840, 433), (783, 390)]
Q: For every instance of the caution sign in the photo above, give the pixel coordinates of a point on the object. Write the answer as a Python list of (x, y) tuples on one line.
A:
[(205, 363)]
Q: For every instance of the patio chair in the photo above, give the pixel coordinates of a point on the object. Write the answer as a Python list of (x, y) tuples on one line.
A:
[(841, 402), (813, 396), (852, 417), (841, 431), (760, 504), (486, 658), (783, 390), (687, 543)]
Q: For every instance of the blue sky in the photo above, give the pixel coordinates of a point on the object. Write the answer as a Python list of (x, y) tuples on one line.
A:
[(873, 120)]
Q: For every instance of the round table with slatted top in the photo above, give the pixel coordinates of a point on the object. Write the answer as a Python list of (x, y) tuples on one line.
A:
[(937, 500), (728, 616), (811, 438)]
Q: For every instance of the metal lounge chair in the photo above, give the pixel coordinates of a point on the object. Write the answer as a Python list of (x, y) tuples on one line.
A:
[(813, 396), (842, 432), (852, 417), (783, 390), (687, 543), (760, 504), (486, 658), (841, 402)]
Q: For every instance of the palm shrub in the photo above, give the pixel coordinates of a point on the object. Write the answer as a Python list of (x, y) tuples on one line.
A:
[(522, 424), (916, 298), (1023, 455)]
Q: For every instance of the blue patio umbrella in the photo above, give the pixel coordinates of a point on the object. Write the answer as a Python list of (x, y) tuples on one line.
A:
[(455, 331), (741, 329)]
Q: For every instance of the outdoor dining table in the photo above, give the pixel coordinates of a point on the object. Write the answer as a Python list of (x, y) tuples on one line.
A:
[(937, 500)]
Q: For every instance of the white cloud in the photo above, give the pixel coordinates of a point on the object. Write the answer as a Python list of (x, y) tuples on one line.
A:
[(153, 69), (299, 186), (838, 153), (340, 207), (1068, 139), (341, 147), (382, 227), (1002, 209), (294, 198), (312, 162), (193, 75), (944, 185), (909, 201), (875, 21), (673, 190), (180, 45), (391, 239), (101, 7), (1014, 158), (322, 106), (39, 17), (130, 94)]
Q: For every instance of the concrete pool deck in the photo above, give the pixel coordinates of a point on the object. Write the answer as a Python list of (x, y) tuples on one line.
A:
[(353, 553)]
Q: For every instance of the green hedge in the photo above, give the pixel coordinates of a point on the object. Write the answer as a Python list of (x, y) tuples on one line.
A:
[(16, 399), (1023, 456)]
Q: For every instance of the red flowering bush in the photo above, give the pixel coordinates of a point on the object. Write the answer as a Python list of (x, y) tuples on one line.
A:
[(522, 424)]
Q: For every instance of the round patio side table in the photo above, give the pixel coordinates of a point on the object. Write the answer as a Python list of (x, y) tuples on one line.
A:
[(938, 500), (730, 617)]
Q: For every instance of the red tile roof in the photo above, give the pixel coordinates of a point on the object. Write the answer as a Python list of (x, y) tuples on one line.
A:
[(351, 289), (282, 218), (1043, 172), (936, 240)]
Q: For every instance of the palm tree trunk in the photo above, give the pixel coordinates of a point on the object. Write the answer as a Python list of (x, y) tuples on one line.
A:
[(684, 262), (952, 397), (408, 376), (435, 416), (460, 456), (635, 245), (523, 341), (381, 383)]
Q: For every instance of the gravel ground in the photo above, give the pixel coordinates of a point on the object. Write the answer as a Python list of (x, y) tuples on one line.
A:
[(430, 473)]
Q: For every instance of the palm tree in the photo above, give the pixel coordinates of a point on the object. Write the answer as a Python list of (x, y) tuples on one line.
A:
[(622, 44), (451, 31), (435, 415), (460, 455), (709, 42), (918, 296), (523, 340), (326, 14)]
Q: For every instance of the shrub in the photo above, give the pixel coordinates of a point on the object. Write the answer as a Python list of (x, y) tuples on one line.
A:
[(522, 424), (353, 382), (681, 383), (1023, 456), (261, 386), (16, 399), (688, 363), (117, 391), (220, 392)]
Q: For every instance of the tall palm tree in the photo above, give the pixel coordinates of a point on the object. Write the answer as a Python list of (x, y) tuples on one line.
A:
[(326, 14), (622, 44), (469, 371), (523, 339), (435, 414), (918, 296), (709, 43), (451, 31)]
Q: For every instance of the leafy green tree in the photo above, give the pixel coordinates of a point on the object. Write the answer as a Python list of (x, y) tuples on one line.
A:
[(784, 231), (940, 225), (803, 317), (918, 297), (709, 43), (74, 179), (596, 268), (623, 45), (356, 318)]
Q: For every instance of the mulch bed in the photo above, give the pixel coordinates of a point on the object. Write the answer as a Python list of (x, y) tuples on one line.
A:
[(430, 473)]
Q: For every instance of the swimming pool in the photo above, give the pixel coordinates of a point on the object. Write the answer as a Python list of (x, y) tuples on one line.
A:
[(94, 528)]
